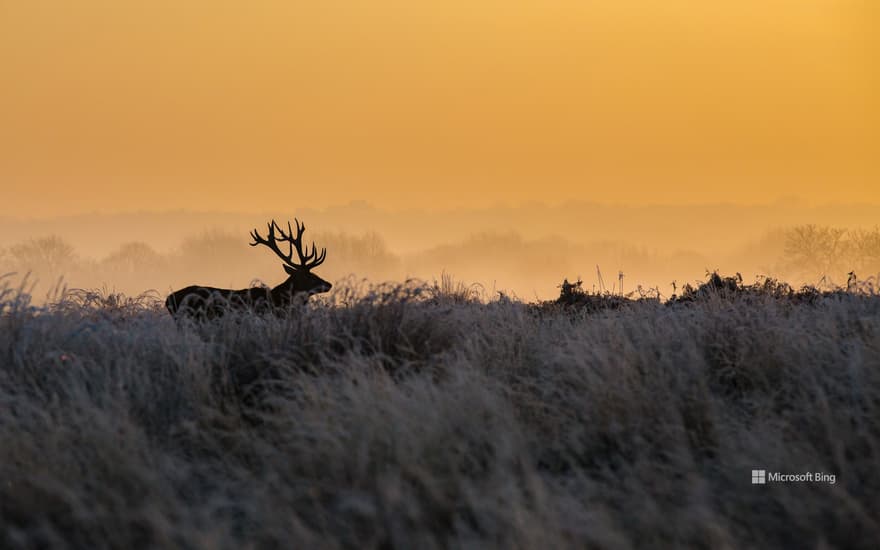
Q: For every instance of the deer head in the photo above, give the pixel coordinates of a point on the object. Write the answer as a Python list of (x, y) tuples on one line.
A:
[(301, 279)]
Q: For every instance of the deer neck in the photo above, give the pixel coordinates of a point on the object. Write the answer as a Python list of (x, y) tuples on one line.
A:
[(283, 293)]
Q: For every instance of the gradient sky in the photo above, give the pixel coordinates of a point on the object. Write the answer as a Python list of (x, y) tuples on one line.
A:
[(204, 104)]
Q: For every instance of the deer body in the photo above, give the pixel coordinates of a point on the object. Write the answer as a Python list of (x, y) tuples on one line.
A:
[(208, 302)]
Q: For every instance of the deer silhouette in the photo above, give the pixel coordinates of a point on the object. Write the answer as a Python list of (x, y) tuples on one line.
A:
[(209, 302)]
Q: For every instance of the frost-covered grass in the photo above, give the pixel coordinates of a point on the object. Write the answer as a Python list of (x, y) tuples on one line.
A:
[(417, 417)]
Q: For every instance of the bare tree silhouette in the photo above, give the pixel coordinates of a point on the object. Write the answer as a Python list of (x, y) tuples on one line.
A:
[(815, 250), (132, 257), (207, 302), (50, 255)]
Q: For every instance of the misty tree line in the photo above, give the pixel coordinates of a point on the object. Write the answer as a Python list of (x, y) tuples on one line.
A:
[(212, 256), (819, 250), (801, 253)]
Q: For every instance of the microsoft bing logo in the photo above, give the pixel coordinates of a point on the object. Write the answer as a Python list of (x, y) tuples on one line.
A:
[(759, 477)]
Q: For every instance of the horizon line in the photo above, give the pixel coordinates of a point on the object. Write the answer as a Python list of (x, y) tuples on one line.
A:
[(793, 202)]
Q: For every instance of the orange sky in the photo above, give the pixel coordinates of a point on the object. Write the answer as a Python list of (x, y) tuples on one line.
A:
[(108, 105)]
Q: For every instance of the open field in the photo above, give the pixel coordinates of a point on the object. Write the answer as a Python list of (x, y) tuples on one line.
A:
[(423, 417)]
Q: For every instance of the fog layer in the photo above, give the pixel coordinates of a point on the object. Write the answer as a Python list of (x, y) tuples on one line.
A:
[(525, 251)]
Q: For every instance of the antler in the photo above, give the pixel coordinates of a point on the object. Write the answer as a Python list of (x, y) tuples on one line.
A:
[(307, 260)]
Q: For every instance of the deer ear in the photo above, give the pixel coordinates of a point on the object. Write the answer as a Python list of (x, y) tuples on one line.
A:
[(289, 270)]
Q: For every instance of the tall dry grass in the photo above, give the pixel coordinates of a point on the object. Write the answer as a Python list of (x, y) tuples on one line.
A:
[(414, 416)]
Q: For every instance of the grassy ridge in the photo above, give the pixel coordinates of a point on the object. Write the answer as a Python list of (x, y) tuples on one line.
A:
[(417, 417)]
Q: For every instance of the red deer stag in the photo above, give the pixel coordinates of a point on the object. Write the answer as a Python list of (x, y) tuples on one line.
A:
[(206, 301)]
